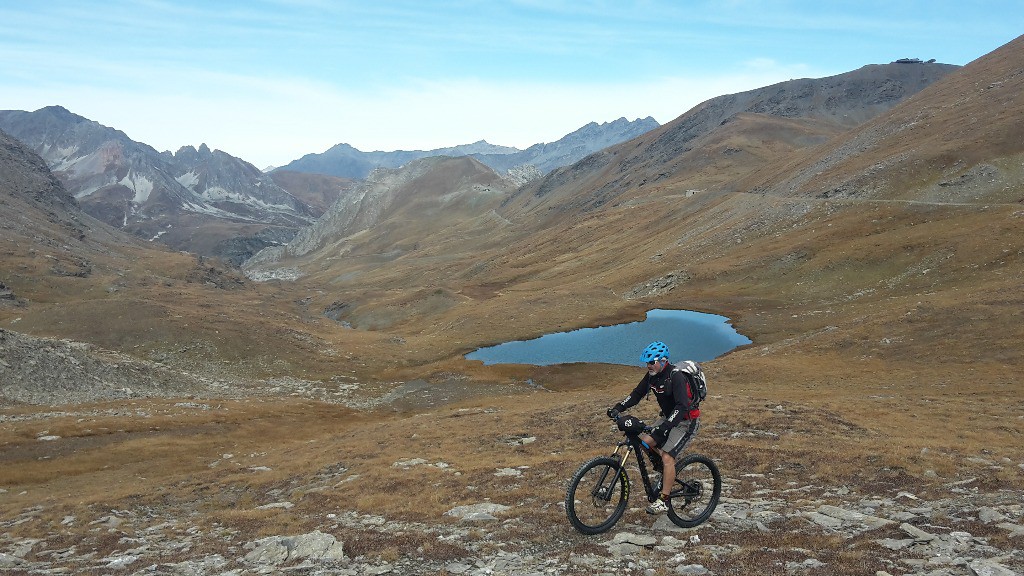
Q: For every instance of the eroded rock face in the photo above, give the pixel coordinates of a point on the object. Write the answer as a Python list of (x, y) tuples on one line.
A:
[(201, 200)]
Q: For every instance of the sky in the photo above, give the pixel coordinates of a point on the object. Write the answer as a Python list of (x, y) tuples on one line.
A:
[(269, 81)]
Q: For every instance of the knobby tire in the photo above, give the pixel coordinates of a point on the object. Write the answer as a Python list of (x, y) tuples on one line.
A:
[(695, 492), (597, 495)]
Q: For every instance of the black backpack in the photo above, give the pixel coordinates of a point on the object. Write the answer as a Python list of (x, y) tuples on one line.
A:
[(698, 383)]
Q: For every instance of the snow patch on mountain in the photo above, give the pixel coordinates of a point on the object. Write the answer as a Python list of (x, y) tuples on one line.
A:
[(141, 185), (188, 180)]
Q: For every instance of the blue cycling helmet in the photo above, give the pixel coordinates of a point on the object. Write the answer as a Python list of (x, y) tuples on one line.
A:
[(654, 351)]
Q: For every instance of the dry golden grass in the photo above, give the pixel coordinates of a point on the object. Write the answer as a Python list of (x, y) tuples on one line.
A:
[(322, 458)]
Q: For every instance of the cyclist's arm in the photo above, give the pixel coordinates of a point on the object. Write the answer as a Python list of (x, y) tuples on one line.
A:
[(635, 396)]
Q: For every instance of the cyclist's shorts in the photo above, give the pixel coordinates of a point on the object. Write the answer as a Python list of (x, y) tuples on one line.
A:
[(679, 436)]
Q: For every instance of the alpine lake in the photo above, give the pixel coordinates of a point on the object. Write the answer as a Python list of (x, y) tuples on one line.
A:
[(689, 335)]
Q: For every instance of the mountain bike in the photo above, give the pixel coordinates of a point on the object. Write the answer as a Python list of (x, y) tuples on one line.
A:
[(599, 491)]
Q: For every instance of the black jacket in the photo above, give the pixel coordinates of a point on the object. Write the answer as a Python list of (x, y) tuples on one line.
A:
[(671, 389)]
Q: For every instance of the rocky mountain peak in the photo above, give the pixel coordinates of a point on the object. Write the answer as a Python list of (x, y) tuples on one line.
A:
[(162, 196), (61, 113)]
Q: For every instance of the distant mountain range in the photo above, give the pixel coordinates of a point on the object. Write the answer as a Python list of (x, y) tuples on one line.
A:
[(212, 203), (571, 148), (345, 161), (714, 145)]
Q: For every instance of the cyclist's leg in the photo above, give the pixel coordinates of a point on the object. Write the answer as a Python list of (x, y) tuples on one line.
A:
[(678, 439), (665, 462), (657, 456)]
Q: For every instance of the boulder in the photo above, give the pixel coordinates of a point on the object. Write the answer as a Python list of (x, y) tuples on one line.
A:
[(275, 550)]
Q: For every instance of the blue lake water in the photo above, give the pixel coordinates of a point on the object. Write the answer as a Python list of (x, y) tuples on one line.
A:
[(689, 335)]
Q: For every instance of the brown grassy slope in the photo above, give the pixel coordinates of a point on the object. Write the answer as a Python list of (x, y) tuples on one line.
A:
[(959, 140), (74, 277), (897, 318), (744, 254), (678, 151)]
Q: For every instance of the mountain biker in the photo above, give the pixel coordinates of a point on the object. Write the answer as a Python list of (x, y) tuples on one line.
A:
[(678, 421)]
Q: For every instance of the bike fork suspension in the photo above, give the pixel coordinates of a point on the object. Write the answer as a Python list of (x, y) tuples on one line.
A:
[(615, 477)]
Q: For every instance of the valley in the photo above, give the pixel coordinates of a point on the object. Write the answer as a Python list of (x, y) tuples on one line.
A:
[(165, 413)]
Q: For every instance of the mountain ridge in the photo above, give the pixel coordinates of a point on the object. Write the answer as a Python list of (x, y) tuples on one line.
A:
[(212, 203), (441, 194), (920, 146), (660, 158), (344, 160)]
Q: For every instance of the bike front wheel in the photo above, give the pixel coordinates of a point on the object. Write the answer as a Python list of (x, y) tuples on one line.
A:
[(597, 495), (695, 492)]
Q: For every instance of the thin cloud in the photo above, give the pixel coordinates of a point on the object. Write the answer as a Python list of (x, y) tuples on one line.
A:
[(272, 80)]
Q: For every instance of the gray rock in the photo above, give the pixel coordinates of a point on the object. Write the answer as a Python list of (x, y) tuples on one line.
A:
[(692, 570), (24, 547), (318, 546), (625, 549), (809, 564), (280, 549), (824, 520), (458, 568), (672, 542), (990, 568), (1015, 530), (201, 567), (916, 533), (990, 515), (9, 561), (483, 511), (853, 517), (271, 550), (479, 517), (663, 524), (893, 544), (109, 521), (636, 539), (272, 506), (119, 562), (589, 560)]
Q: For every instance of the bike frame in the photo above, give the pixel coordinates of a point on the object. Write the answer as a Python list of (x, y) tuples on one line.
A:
[(632, 445)]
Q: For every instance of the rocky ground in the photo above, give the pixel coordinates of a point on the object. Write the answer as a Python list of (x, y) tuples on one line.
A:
[(966, 533), (779, 522)]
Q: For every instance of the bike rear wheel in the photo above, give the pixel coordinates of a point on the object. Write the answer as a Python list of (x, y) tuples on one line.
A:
[(597, 495), (696, 491)]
